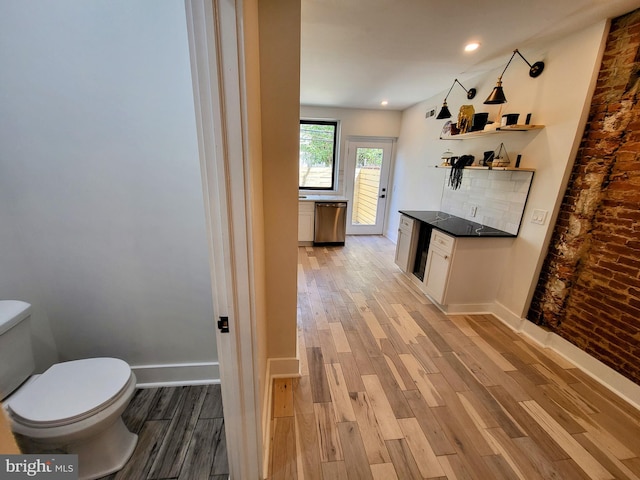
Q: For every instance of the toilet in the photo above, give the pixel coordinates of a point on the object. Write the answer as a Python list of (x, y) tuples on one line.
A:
[(73, 407)]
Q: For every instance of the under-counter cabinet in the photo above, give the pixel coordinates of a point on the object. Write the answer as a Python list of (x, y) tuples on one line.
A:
[(436, 273), (463, 274), (406, 244), (306, 222)]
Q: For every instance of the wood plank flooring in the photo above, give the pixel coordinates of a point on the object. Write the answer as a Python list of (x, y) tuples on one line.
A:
[(180, 435), (391, 388)]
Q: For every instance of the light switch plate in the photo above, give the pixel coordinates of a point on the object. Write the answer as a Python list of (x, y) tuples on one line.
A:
[(539, 217)]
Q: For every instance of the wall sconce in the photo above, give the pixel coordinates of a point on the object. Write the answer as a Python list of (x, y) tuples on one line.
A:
[(497, 95), (444, 111)]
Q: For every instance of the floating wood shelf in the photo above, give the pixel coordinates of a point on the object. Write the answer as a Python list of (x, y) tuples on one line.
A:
[(477, 167), (482, 133)]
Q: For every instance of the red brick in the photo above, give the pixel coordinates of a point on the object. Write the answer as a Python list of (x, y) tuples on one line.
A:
[(600, 312)]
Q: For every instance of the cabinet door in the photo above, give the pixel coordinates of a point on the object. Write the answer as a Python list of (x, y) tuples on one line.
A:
[(436, 275), (405, 246), (306, 221), (403, 249)]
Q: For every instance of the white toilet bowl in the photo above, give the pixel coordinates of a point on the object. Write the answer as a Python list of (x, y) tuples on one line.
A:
[(76, 407)]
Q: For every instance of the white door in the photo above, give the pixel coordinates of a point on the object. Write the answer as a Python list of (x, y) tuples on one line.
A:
[(366, 178), (213, 44)]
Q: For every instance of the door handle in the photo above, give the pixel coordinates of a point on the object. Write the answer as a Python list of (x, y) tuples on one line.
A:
[(382, 196)]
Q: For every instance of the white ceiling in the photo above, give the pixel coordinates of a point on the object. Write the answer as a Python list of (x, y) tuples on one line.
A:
[(356, 53)]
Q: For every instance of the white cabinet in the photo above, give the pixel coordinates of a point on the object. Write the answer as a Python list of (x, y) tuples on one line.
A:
[(306, 222), (463, 274), (406, 244), (436, 274)]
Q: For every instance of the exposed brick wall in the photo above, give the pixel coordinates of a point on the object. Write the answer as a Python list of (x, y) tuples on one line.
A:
[(589, 288)]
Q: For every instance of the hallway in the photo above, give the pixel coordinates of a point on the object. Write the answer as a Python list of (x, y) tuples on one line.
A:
[(392, 388)]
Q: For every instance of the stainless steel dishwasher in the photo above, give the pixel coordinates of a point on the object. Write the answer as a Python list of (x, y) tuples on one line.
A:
[(331, 223)]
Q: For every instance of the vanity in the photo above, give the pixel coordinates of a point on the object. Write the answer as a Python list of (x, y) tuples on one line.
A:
[(456, 262)]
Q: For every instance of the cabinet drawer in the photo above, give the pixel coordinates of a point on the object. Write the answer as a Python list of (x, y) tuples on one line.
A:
[(406, 223), (442, 241), (306, 207)]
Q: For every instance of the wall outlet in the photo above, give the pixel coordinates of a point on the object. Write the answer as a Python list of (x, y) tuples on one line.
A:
[(473, 210), (539, 217)]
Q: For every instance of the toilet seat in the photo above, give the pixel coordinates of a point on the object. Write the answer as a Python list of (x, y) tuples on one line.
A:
[(69, 392)]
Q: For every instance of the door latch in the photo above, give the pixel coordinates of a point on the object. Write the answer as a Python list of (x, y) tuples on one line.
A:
[(223, 324)]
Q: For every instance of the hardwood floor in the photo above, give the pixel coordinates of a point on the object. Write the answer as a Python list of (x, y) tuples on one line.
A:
[(391, 388), (180, 435)]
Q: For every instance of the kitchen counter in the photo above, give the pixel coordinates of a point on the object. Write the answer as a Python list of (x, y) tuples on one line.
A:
[(455, 226), (321, 198)]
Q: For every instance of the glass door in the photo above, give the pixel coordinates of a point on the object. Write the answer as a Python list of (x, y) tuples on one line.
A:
[(367, 173)]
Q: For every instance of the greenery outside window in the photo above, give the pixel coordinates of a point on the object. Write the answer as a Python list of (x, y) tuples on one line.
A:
[(318, 146)]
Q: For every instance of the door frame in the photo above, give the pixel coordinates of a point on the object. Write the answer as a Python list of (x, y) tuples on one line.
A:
[(214, 29), (349, 174)]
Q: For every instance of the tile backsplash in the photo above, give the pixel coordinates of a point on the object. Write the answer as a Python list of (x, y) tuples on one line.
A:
[(499, 197)]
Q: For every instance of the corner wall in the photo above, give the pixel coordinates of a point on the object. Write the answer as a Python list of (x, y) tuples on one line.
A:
[(101, 180), (279, 24), (589, 289)]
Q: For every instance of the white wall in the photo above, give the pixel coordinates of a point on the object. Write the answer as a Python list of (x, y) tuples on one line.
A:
[(564, 98), (101, 181), (355, 122), (558, 99), (16, 282), (279, 34)]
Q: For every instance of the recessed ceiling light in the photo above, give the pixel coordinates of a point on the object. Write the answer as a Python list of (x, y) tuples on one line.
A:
[(470, 47), (384, 103)]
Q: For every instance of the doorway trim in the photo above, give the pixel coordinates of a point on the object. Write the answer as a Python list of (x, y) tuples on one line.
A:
[(215, 47)]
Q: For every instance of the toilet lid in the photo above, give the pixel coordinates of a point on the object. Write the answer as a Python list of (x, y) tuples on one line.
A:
[(70, 391)]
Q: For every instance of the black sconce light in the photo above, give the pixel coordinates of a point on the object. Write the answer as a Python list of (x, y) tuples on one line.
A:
[(444, 111), (497, 95)]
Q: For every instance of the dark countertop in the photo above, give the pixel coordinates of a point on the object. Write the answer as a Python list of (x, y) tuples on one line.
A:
[(456, 226)]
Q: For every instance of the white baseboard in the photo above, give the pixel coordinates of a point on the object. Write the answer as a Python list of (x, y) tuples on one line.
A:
[(603, 374), (464, 309), (176, 374), (276, 368)]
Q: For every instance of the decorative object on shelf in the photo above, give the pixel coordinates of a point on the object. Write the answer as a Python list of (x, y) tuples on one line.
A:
[(501, 159), (479, 121), (487, 160), (465, 118), (509, 119), (497, 95), (446, 157), (446, 129), (444, 111), (455, 176)]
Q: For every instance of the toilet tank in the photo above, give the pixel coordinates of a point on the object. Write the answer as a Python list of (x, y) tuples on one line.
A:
[(16, 354)]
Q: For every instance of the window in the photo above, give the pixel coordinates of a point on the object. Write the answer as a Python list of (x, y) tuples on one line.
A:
[(318, 145)]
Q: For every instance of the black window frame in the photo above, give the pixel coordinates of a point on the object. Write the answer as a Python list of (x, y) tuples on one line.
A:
[(335, 124)]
